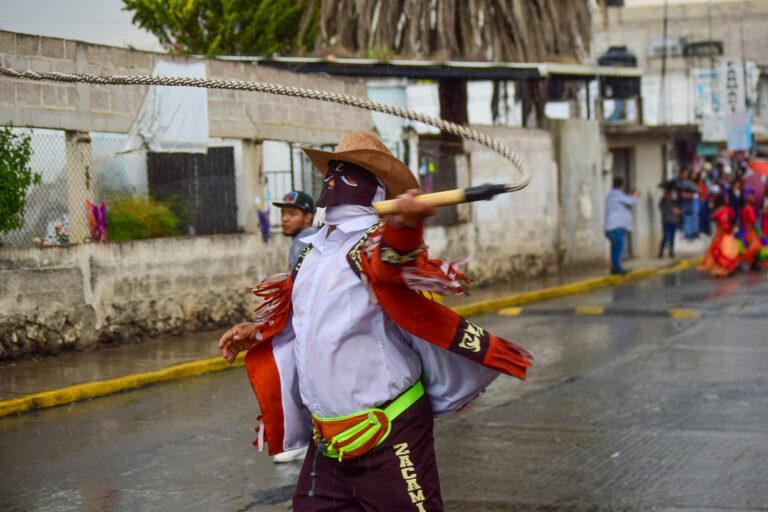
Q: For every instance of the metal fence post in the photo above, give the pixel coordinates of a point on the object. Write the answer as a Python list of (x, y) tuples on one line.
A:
[(79, 183)]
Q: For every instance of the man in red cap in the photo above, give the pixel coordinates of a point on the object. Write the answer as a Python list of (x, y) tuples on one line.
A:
[(349, 355)]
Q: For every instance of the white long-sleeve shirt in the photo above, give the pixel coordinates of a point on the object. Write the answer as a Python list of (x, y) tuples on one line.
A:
[(618, 210), (349, 354)]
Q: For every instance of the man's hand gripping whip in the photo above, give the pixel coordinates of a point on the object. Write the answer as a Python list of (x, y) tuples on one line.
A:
[(486, 191)]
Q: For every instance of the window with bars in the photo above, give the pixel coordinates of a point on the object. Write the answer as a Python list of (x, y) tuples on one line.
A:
[(287, 168)]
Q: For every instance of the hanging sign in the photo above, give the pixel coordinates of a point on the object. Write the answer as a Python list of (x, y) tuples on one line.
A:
[(732, 86)]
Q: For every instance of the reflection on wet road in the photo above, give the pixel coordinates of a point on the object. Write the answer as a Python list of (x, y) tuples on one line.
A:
[(622, 413)]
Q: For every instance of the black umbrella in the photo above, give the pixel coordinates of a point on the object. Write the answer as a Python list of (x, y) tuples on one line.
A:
[(687, 186)]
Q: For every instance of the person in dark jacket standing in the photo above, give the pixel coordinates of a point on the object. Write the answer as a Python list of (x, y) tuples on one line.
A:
[(670, 219)]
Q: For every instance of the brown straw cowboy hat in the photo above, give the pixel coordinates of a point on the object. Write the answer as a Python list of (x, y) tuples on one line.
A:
[(367, 151)]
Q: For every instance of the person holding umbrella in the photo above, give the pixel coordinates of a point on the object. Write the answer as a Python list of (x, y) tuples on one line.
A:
[(688, 191)]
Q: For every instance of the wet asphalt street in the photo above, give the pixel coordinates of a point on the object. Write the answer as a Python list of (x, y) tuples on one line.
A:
[(628, 409)]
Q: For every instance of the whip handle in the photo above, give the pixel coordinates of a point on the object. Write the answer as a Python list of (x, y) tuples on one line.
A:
[(436, 199)]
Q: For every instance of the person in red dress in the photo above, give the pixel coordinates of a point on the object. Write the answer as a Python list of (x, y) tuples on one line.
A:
[(750, 232), (722, 257)]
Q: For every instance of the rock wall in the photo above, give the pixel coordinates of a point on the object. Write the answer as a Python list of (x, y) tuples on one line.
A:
[(81, 296)]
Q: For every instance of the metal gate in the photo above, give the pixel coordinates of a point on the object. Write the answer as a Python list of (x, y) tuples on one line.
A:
[(199, 188), (437, 172)]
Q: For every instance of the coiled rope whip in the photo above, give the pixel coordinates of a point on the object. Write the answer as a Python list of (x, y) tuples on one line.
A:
[(384, 207)]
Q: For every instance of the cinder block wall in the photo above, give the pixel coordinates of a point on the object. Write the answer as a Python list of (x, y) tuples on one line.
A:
[(234, 114), (81, 295)]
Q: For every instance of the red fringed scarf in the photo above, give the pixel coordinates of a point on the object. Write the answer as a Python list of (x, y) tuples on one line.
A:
[(423, 317), (408, 308), (275, 310)]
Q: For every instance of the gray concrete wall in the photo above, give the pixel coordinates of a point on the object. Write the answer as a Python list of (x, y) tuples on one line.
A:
[(83, 295), (516, 234), (234, 114), (80, 296), (739, 24), (579, 150)]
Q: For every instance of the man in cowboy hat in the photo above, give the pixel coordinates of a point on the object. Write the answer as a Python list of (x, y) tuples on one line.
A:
[(347, 356)]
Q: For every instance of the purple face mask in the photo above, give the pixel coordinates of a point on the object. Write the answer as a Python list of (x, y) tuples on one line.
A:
[(347, 183)]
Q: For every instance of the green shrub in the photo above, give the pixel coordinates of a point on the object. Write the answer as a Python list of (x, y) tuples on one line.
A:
[(134, 218), (16, 177)]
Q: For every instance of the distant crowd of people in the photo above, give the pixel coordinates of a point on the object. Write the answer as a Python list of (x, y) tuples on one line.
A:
[(689, 199), (727, 204), (734, 201)]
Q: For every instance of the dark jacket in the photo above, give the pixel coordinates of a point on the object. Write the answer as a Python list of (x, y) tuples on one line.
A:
[(668, 208)]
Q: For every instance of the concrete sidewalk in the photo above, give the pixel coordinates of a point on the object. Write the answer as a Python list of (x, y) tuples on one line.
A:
[(73, 376)]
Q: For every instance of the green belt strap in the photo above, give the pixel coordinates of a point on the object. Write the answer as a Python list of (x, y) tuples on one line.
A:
[(392, 411), (404, 401)]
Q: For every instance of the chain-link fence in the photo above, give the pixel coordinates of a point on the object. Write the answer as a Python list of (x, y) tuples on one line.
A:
[(92, 190), (78, 172), (46, 217)]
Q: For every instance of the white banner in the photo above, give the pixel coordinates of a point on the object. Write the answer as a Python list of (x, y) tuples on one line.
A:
[(712, 128), (739, 130), (172, 119), (732, 86), (706, 93)]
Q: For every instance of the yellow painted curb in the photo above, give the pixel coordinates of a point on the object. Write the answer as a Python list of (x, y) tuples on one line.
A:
[(511, 311), (584, 286), (683, 314), (511, 303), (590, 310), (99, 388)]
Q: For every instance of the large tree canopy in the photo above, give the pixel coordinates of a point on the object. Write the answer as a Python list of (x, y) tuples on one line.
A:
[(229, 27), (511, 30)]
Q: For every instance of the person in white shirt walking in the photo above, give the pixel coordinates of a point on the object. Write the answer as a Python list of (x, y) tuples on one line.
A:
[(348, 356), (618, 221)]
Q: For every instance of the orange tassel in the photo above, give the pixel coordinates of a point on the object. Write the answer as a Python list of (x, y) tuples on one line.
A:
[(273, 313)]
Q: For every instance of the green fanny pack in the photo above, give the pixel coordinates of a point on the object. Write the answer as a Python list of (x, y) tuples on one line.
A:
[(350, 436)]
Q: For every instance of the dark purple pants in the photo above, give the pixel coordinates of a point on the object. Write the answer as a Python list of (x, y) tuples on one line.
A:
[(399, 474)]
